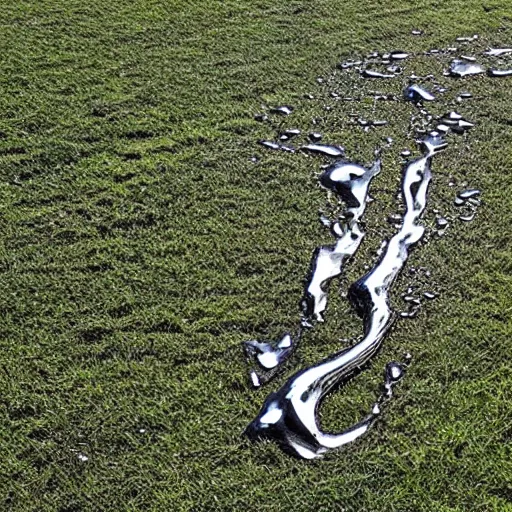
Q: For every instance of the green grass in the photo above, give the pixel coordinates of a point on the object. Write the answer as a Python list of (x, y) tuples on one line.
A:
[(140, 246)]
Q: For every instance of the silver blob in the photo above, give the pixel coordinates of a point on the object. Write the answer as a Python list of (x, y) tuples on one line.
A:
[(275, 146), (289, 415), (269, 355), (367, 73), (398, 55), (324, 149), (496, 52), (464, 68), (284, 110), (269, 144), (417, 94), (468, 194), (350, 182), (466, 39), (499, 72)]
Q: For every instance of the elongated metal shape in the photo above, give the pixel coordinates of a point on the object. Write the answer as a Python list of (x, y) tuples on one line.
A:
[(289, 415), (496, 52), (324, 149), (350, 182), (499, 72), (417, 94), (368, 73)]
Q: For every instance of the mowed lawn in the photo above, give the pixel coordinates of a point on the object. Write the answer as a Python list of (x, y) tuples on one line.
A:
[(140, 246)]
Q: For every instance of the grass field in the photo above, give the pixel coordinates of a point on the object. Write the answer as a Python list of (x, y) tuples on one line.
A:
[(140, 246)]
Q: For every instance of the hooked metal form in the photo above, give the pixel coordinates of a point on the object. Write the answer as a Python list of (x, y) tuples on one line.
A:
[(289, 415)]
